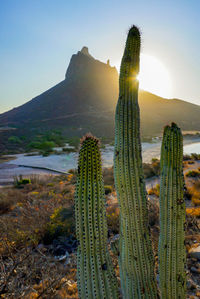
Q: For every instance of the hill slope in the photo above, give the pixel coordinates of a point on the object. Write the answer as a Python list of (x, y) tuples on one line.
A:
[(85, 101)]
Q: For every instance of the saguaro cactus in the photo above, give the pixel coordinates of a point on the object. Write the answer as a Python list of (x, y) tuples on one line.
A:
[(136, 256), (95, 274), (172, 254)]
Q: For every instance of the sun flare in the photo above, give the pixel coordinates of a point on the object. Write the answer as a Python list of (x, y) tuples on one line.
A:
[(154, 76)]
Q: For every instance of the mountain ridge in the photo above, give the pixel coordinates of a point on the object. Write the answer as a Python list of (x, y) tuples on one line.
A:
[(85, 101)]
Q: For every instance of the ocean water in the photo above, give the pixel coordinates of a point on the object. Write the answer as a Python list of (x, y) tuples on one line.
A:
[(192, 148), (68, 161)]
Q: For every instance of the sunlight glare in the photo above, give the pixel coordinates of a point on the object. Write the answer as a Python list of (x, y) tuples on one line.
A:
[(154, 76)]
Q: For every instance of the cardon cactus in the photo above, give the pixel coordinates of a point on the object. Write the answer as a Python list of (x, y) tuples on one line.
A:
[(136, 255), (172, 253), (95, 273)]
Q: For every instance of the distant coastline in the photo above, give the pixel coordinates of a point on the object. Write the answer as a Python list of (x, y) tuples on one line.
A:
[(61, 164)]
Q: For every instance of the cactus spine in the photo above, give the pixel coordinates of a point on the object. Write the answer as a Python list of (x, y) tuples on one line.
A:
[(95, 274), (136, 256), (172, 254)]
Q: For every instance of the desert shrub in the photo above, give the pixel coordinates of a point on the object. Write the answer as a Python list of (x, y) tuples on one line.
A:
[(148, 171), (154, 160), (45, 147), (153, 208), (192, 156), (155, 190), (32, 208), (193, 212), (156, 166), (113, 218), (72, 171), (14, 139), (108, 176), (194, 193), (193, 173), (108, 189), (151, 169), (187, 194), (195, 156), (186, 157), (61, 224), (190, 162), (196, 201), (74, 141), (5, 203), (19, 182)]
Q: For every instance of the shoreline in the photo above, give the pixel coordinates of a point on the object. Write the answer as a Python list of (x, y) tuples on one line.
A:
[(60, 164)]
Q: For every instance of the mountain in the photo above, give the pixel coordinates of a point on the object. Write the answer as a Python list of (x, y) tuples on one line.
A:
[(85, 101), (156, 112)]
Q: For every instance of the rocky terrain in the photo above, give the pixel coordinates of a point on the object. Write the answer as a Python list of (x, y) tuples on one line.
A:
[(38, 242)]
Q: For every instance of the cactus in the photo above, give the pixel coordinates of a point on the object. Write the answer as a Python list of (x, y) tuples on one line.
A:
[(172, 254), (136, 255), (95, 273)]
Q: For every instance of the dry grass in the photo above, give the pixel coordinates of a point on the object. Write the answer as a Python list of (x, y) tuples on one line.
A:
[(194, 193), (35, 274), (26, 270), (193, 212), (28, 267), (30, 209)]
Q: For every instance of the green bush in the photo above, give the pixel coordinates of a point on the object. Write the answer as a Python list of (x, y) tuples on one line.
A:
[(47, 141), (19, 182), (193, 173), (14, 139), (61, 223), (74, 141)]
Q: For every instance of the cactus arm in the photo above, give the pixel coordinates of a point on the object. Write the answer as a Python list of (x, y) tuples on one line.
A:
[(136, 256), (95, 273), (172, 216)]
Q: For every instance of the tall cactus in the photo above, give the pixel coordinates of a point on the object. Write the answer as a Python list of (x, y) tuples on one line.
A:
[(172, 253), (136, 256), (95, 274)]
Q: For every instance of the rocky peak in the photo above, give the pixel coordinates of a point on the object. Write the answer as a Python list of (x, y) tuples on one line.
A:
[(85, 51), (83, 66)]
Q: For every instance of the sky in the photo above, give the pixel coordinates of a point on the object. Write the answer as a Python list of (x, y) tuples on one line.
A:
[(38, 38)]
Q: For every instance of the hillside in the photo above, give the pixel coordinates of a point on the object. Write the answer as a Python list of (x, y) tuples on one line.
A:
[(85, 101), (156, 112)]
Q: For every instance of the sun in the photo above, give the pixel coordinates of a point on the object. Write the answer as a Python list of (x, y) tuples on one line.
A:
[(154, 76)]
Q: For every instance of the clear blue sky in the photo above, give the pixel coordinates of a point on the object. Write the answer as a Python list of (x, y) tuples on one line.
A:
[(38, 37)]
